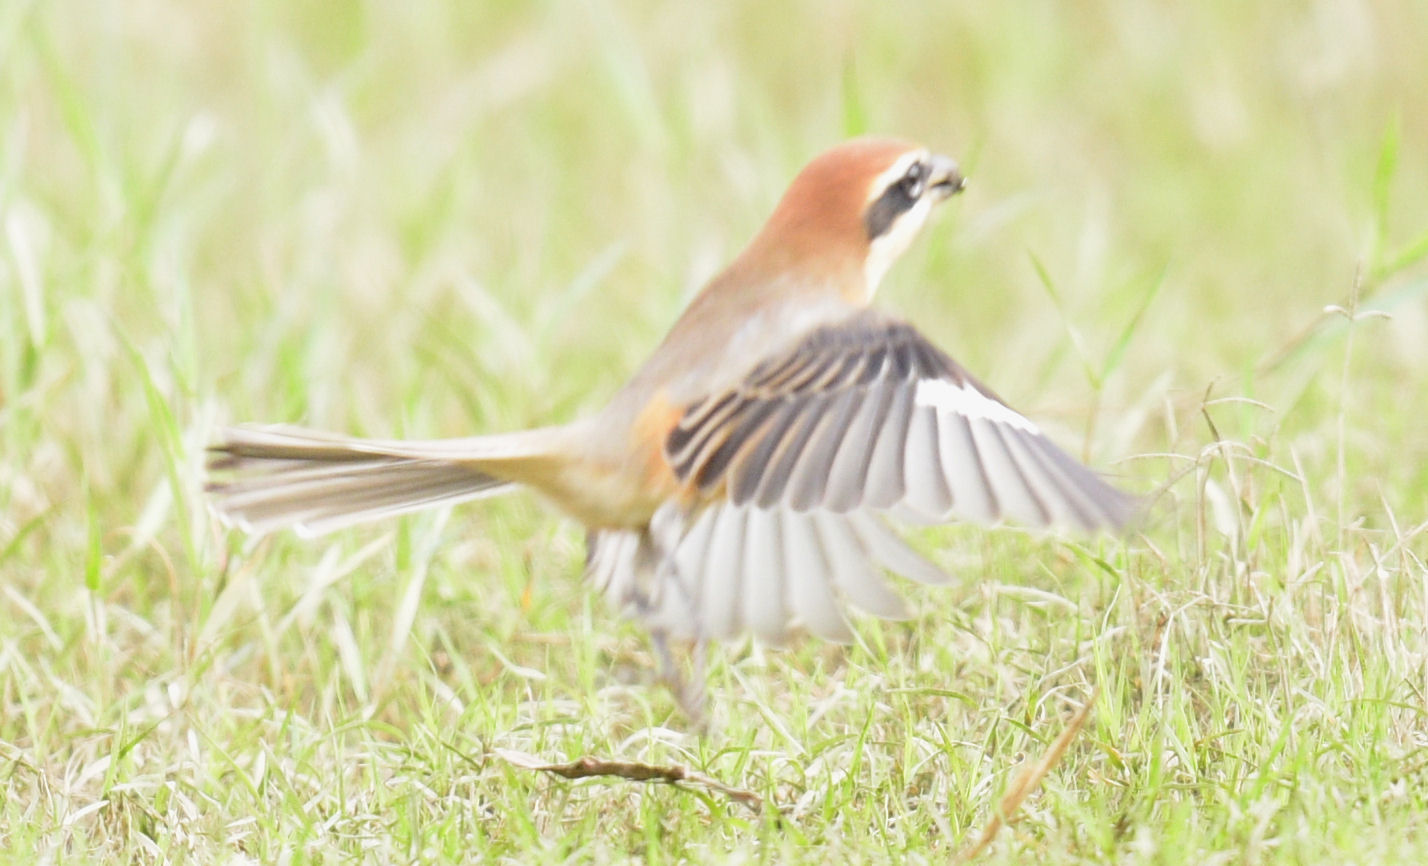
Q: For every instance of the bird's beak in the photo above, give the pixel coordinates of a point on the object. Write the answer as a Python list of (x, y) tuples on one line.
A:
[(945, 178)]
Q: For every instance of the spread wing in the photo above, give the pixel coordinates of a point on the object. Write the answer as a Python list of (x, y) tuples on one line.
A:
[(869, 414), (795, 467)]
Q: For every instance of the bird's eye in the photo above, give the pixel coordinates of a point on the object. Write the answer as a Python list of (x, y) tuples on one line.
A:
[(900, 197), (914, 181)]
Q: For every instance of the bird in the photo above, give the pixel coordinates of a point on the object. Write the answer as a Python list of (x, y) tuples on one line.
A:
[(749, 477)]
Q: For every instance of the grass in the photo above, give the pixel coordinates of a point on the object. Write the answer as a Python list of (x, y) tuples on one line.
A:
[(1195, 241)]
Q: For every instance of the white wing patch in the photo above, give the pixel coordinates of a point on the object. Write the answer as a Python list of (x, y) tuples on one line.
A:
[(969, 402)]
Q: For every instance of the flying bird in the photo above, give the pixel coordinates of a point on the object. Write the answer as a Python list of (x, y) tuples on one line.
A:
[(743, 480)]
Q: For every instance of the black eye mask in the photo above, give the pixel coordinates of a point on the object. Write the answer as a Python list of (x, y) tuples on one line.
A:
[(896, 200)]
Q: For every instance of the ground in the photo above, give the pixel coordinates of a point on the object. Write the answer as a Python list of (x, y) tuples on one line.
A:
[(1194, 247)]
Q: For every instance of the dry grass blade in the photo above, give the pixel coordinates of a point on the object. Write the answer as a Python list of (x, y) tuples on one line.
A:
[(1028, 780), (588, 767)]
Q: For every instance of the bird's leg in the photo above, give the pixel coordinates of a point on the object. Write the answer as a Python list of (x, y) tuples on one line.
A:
[(687, 692), (665, 591), (692, 701)]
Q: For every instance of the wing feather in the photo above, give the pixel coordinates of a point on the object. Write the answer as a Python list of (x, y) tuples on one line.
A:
[(1004, 477), (852, 569), (1061, 499), (809, 478), (962, 466), (765, 612), (885, 484), (806, 417), (691, 554), (847, 477), (926, 493), (748, 480), (806, 568), (892, 552), (1111, 507), (723, 574)]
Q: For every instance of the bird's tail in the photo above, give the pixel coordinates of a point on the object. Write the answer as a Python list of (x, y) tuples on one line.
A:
[(275, 477)]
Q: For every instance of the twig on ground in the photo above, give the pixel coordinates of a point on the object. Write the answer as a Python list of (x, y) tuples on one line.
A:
[(588, 767)]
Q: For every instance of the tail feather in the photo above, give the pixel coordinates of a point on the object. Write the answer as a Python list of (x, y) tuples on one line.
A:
[(278, 477)]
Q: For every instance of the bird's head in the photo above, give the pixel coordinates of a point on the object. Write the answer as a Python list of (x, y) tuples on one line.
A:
[(851, 212)]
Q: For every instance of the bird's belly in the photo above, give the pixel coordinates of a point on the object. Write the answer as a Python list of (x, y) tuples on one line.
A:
[(606, 496)]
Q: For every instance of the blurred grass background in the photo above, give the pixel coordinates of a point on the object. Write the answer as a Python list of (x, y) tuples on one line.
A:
[(430, 219)]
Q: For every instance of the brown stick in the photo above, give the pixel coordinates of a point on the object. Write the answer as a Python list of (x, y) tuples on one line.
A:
[(588, 767)]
